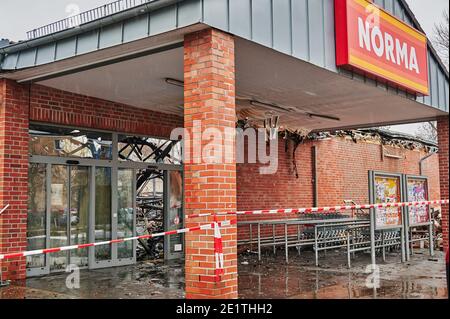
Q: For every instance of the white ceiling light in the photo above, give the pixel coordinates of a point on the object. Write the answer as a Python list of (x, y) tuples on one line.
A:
[(326, 117), (174, 82), (271, 106)]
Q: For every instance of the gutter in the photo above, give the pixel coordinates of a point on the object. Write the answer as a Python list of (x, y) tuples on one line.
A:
[(314, 176), (422, 160), (96, 24)]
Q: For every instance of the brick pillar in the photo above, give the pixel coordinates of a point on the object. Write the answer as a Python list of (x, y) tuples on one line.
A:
[(442, 127), (13, 175), (209, 97)]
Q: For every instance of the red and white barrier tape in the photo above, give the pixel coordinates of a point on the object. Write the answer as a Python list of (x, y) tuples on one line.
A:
[(115, 241), (218, 251), (329, 210), (4, 208)]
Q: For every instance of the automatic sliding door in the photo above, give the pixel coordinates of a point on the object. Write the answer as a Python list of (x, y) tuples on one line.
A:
[(59, 212), (102, 216), (173, 245), (79, 214), (125, 209), (37, 218), (69, 215)]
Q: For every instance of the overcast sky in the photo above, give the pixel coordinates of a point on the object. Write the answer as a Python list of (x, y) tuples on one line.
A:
[(19, 16)]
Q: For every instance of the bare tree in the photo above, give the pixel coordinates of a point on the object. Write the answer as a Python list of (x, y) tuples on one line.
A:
[(427, 131), (441, 38)]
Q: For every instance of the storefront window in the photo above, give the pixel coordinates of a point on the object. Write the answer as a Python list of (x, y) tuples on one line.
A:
[(36, 221), (176, 210), (149, 150), (69, 142), (125, 216), (58, 216), (102, 212)]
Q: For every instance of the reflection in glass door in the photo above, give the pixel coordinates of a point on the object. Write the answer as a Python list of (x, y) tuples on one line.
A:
[(69, 212), (102, 216), (37, 218), (173, 246), (79, 214), (125, 209)]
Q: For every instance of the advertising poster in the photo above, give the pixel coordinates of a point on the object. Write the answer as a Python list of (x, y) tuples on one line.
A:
[(387, 190), (417, 191)]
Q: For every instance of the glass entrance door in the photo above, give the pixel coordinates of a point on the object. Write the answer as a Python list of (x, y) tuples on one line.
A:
[(173, 245), (88, 186), (69, 215)]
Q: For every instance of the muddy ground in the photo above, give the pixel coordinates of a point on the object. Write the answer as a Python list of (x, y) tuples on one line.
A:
[(422, 277)]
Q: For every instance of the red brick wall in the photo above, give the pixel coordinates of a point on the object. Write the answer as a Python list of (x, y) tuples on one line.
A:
[(59, 107), (342, 173), (343, 169), (256, 191), (13, 175), (209, 97), (442, 126)]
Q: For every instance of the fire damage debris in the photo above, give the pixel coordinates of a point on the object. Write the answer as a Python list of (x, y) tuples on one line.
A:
[(150, 188), (149, 214), (381, 136), (375, 135)]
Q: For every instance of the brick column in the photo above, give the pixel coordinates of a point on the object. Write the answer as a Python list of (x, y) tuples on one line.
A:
[(442, 127), (13, 175), (209, 97)]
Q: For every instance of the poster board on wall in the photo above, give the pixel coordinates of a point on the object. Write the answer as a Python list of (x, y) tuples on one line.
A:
[(387, 188), (417, 191)]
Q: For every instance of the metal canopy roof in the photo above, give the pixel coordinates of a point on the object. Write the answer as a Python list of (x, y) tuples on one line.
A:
[(303, 29)]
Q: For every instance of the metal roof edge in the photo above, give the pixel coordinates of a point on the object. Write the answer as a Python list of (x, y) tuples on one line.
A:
[(117, 17)]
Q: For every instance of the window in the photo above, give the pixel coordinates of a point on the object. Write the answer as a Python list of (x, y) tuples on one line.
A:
[(149, 150), (69, 142)]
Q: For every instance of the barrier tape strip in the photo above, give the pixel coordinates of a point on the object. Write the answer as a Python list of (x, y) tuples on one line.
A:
[(4, 208), (328, 210), (115, 241), (218, 251)]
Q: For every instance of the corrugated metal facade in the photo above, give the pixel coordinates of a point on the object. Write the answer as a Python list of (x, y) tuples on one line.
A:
[(305, 30), (301, 28)]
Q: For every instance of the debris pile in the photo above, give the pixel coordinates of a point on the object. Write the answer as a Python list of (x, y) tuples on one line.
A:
[(382, 136), (149, 220), (150, 214)]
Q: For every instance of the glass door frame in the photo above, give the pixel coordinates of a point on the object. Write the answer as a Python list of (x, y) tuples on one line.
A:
[(165, 168), (92, 164), (45, 270)]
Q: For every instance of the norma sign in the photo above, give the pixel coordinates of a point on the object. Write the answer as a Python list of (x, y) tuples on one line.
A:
[(373, 41)]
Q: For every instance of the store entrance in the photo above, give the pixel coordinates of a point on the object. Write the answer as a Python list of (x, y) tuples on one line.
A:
[(83, 189), (159, 208)]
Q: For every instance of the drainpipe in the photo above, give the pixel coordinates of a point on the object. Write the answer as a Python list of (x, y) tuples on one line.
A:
[(2, 282), (314, 176), (422, 160)]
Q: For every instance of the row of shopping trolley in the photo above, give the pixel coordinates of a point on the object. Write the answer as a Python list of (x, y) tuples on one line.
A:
[(327, 232)]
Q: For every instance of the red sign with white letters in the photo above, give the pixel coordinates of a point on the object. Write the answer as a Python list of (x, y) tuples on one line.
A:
[(373, 41)]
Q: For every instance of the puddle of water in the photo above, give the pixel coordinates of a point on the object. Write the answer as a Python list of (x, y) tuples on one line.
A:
[(273, 278), (144, 280)]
